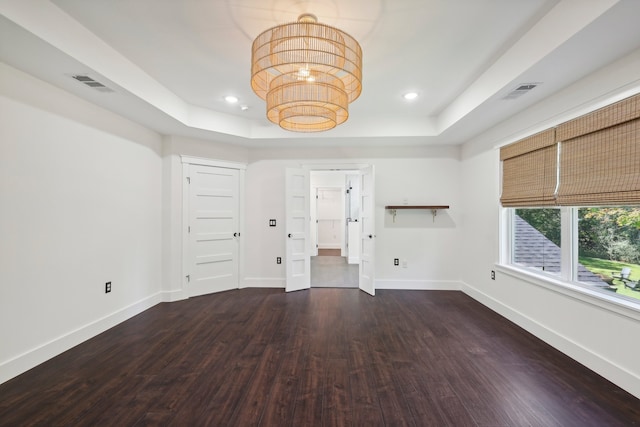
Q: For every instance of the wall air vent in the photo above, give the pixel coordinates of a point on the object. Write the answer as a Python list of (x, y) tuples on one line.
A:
[(520, 90), (88, 81)]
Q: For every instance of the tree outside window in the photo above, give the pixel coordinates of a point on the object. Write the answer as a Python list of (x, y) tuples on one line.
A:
[(608, 242)]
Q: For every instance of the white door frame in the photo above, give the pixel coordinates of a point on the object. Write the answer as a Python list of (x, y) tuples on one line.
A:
[(313, 226), (241, 167), (344, 167)]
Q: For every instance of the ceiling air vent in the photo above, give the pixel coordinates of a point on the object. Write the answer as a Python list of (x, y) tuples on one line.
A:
[(86, 80), (520, 90)]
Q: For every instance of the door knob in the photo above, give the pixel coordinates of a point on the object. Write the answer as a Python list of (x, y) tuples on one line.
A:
[(235, 234), (371, 236), (289, 235)]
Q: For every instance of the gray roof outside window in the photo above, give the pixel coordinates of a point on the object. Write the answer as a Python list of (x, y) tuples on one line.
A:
[(533, 249)]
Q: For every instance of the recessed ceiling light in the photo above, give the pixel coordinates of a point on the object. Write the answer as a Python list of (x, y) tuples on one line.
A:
[(244, 107), (410, 95), (231, 99)]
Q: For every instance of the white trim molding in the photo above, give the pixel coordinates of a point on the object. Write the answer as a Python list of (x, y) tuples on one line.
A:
[(424, 285), (173, 296), (211, 162), (263, 282)]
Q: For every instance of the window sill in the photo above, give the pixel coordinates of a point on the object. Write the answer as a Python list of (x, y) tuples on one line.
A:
[(576, 291)]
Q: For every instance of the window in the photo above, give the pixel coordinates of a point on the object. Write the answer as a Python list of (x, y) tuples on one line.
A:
[(606, 242), (578, 182)]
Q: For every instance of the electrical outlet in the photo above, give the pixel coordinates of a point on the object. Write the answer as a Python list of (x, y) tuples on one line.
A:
[(272, 223), (493, 275), (396, 261), (404, 263), (107, 287), (279, 260)]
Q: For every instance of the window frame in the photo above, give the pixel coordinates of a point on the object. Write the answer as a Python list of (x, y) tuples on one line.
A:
[(594, 132), (566, 282)]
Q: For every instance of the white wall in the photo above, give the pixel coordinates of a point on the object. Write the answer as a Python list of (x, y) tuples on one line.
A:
[(330, 216), (331, 219), (335, 179), (328, 234), (596, 334), (80, 198), (430, 248)]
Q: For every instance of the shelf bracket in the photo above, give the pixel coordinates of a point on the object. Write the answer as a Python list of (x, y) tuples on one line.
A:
[(434, 212), (393, 212)]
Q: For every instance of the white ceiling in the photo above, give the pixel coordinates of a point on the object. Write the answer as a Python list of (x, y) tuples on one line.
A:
[(171, 62)]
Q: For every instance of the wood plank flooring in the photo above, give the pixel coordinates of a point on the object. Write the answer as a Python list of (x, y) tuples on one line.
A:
[(323, 357)]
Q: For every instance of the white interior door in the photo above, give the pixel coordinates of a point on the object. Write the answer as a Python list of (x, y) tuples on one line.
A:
[(298, 262), (353, 214), (313, 225), (213, 229), (367, 223), (347, 217)]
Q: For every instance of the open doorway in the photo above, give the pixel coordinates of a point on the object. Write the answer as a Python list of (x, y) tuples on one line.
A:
[(335, 232), (301, 244)]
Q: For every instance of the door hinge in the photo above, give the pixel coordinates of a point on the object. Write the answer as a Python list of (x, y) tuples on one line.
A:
[(347, 191), (189, 229), (316, 196), (188, 278), (188, 180)]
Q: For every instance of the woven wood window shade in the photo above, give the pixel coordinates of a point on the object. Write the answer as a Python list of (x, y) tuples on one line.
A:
[(529, 170), (600, 157)]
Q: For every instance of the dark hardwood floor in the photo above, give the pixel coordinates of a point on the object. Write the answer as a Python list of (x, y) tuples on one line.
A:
[(311, 358)]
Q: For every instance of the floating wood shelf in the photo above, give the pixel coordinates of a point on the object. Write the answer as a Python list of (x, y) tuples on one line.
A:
[(433, 208)]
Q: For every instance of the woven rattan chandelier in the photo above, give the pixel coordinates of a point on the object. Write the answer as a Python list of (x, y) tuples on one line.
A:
[(308, 73)]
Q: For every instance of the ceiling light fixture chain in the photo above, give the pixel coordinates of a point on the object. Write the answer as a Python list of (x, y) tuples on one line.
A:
[(307, 73)]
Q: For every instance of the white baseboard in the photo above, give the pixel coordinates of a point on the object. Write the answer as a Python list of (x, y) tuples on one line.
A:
[(32, 358), (263, 282), (425, 285), (172, 296), (602, 366)]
